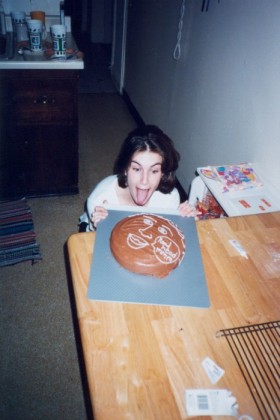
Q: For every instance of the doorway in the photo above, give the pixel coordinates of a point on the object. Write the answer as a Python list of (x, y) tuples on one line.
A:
[(92, 27)]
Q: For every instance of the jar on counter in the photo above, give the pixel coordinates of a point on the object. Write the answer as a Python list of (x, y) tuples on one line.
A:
[(19, 26)]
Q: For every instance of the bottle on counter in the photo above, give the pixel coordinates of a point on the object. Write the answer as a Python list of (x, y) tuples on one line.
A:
[(19, 26), (62, 14), (2, 29), (40, 15)]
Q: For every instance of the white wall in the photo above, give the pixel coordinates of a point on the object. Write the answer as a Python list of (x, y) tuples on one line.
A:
[(118, 43), (220, 102), (50, 7)]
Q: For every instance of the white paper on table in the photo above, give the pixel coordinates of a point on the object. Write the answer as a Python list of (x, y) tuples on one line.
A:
[(213, 371), (209, 402)]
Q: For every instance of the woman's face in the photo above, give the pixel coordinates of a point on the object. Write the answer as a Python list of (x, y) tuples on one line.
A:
[(143, 176)]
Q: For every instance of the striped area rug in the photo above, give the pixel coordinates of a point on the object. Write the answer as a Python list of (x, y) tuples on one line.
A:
[(17, 237)]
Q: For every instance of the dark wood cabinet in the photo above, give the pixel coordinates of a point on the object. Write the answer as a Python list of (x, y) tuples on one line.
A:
[(42, 133)]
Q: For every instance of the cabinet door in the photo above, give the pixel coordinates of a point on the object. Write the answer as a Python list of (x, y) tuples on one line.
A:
[(5, 136), (44, 101), (46, 158)]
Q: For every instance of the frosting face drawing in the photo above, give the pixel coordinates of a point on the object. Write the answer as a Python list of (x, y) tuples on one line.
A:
[(147, 244), (158, 235)]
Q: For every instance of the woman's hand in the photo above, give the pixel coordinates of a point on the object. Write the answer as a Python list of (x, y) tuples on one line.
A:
[(186, 210), (100, 213)]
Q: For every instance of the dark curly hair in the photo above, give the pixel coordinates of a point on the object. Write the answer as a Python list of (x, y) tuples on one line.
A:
[(149, 137)]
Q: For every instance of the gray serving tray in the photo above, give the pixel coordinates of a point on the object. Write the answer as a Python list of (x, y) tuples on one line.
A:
[(184, 286)]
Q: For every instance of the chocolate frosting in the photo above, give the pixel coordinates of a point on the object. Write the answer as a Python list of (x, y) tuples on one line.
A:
[(148, 244)]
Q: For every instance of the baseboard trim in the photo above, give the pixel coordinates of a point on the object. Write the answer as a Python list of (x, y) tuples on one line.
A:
[(133, 111)]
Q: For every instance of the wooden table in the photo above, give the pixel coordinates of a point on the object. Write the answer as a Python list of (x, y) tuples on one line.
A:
[(140, 359)]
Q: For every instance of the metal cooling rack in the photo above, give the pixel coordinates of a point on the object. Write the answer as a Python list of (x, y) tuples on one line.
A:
[(256, 349)]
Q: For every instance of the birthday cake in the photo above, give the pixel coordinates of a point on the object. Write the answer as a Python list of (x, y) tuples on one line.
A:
[(147, 244)]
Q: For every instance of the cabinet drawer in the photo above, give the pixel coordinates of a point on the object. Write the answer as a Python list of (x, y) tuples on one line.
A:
[(44, 101)]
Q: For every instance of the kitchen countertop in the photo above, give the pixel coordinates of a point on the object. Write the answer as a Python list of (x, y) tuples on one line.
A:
[(37, 61)]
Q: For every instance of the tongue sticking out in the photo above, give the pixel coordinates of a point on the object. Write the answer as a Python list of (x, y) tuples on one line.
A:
[(141, 196)]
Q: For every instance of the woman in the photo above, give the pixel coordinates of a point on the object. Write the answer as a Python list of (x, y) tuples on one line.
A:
[(145, 175)]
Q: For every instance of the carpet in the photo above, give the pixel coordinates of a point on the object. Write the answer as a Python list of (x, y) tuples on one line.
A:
[(17, 237)]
